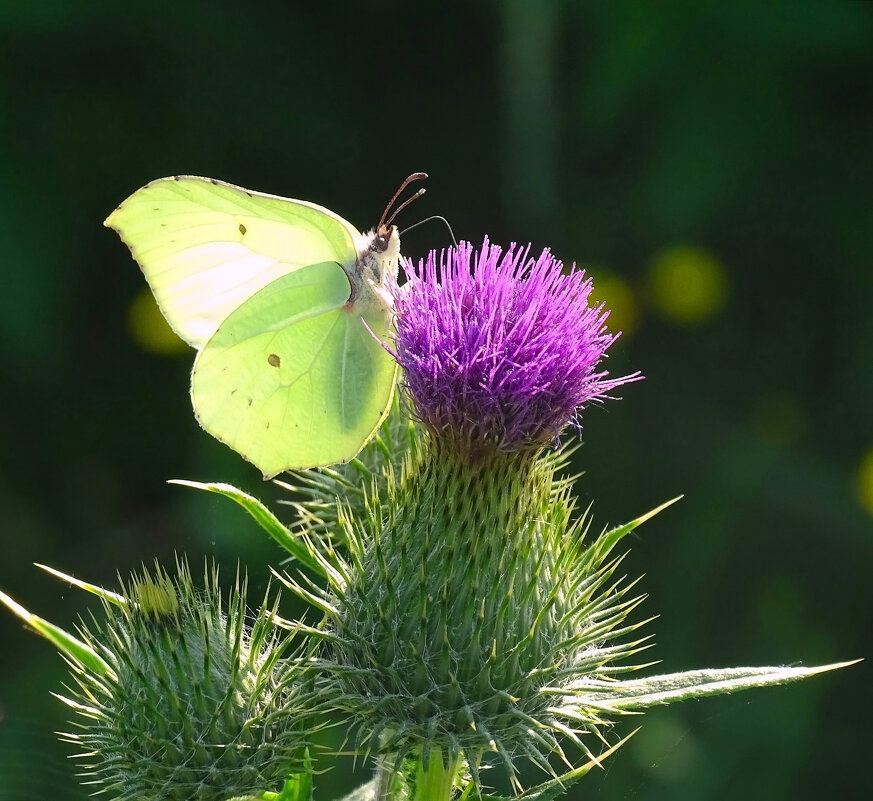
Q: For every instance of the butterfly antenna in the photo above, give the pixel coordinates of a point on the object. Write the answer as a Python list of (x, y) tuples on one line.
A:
[(404, 204), (428, 219), (416, 176)]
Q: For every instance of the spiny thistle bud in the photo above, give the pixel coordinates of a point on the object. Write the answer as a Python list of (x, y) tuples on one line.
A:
[(193, 704), (471, 602), (474, 602)]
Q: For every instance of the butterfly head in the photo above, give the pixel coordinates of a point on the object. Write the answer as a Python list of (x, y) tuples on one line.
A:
[(376, 268), (386, 240), (379, 252), (385, 247)]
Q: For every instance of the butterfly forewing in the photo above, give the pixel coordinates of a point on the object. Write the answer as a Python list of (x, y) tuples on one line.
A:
[(206, 247)]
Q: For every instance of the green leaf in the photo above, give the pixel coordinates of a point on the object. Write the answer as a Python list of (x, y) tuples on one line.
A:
[(608, 540), (627, 696), (106, 595), (301, 550), (297, 788), (65, 642)]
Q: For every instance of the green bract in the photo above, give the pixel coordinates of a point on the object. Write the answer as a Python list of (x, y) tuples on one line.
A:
[(469, 603), (472, 616)]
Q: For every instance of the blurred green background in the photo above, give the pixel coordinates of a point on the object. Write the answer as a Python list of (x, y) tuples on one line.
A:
[(711, 164)]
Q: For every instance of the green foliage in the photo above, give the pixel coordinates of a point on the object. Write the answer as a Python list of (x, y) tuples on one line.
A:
[(301, 548)]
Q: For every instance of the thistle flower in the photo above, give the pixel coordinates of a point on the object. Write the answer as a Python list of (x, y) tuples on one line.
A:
[(500, 348), (471, 599), (185, 702), (473, 617)]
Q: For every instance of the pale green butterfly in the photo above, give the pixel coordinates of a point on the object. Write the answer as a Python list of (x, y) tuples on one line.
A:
[(288, 306)]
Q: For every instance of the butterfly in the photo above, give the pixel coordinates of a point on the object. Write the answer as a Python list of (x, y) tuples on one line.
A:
[(287, 305)]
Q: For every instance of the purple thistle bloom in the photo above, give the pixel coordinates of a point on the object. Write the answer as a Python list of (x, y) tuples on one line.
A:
[(504, 354)]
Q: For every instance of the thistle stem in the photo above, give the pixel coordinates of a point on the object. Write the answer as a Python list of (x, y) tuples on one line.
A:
[(436, 781), (385, 775)]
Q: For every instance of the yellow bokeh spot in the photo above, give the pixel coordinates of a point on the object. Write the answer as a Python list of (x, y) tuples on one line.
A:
[(617, 295), (149, 329), (864, 481), (688, 284)]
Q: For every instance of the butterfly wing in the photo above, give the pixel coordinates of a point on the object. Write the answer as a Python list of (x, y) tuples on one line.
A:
[(292, 378), (206, 246)]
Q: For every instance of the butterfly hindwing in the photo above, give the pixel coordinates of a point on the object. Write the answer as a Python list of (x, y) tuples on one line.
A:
[(293, 378)]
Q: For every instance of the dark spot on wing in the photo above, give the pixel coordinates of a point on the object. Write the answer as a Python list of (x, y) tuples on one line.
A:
[(242, 229), (213, 181), (274, 360), (250, 401)]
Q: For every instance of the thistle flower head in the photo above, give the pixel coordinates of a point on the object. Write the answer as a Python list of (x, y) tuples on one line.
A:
[(506, 352), (471, 600), (192, 705)]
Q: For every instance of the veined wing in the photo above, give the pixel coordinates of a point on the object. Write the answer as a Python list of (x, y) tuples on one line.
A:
[(293, 378), (206, 246)]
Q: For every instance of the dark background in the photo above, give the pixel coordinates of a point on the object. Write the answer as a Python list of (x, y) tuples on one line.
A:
[(710, 163)]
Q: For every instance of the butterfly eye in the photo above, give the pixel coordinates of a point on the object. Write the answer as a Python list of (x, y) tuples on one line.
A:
[(382, 238)]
